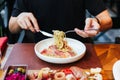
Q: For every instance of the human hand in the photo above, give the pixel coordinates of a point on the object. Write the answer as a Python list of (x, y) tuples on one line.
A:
[(91, 28), (27, 21)]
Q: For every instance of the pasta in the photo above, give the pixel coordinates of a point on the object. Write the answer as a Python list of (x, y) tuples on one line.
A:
[(59, 38), (59, 48)]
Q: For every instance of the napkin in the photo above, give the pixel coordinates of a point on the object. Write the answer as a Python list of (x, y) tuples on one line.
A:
[(3, 44)]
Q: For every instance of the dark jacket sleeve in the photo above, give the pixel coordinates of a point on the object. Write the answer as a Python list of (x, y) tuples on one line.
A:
[(95, 6), (19, 6)]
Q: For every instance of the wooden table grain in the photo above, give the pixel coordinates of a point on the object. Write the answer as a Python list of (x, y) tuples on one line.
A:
[(107, 53)]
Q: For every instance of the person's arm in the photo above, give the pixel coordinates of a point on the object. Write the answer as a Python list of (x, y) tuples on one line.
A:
[(25, 21), (102, 22), (105, 20)]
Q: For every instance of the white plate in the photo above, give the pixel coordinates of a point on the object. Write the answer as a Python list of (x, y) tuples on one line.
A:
[(78, 47), (116, 70)]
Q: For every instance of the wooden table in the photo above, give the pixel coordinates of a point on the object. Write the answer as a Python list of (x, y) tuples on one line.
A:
[(107, 53)]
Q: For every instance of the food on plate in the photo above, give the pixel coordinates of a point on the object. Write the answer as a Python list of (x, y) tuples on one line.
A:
[(59, 76), (60, 48), (60, 42), (72, 73), (17, 73)]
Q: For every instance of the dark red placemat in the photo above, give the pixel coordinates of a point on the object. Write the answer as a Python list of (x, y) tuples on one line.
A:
[(23, 53)]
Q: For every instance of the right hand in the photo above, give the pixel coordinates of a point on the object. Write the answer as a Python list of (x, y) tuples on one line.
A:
[(27, 21), (90, 25)]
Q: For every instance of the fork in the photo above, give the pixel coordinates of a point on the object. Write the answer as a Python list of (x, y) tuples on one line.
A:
[(51, 35), (83, 30)]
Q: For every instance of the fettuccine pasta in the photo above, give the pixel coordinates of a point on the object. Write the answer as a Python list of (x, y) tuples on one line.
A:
[(59, 39), (59, 48)]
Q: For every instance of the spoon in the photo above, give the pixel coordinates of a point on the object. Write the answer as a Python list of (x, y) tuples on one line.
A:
[(46, 33)]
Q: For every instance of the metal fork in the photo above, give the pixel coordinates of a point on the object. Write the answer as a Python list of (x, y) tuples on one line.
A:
[(51, 35), (83, 30)]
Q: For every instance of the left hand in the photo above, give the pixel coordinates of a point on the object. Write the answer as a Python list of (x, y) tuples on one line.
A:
[(90, 25)]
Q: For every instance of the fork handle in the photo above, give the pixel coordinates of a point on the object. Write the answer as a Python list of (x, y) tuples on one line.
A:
[(69, 31)]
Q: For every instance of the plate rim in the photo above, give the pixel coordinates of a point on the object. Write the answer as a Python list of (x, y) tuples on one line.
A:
[(82, 54), (116, 65)]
